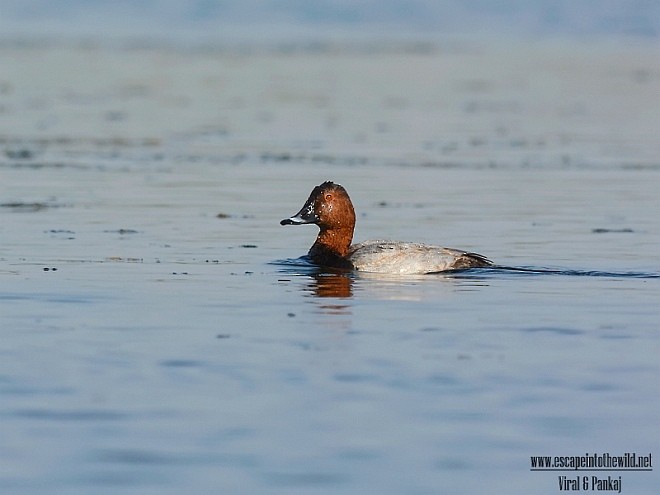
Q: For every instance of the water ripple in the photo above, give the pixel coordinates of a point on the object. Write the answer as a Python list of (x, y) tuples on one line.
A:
[(531, 271), (293, 265), (76, 415)]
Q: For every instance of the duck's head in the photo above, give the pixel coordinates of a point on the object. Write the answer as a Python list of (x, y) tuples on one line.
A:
[(328, 206)]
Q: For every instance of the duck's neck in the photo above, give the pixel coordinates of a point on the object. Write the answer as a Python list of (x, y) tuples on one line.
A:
[(332, 247), (337, 241)]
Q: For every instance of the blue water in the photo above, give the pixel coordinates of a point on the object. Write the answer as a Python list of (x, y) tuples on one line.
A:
[(263, 18), (258, 378)]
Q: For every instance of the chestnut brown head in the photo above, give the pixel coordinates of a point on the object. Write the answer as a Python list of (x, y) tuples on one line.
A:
[(328, 206)]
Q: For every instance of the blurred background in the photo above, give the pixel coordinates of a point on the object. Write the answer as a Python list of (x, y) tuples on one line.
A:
[(255, 19)]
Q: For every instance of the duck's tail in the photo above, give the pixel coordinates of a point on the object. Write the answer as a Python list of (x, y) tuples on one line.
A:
[(473, 260)]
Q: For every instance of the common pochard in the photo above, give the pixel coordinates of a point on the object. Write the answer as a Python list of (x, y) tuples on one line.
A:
[(331, 209)]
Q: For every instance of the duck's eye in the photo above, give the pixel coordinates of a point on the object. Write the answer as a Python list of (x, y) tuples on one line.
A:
[(328, 197)]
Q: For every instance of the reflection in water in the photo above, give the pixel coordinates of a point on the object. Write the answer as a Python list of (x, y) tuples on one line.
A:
[(322, 283), (332, 285), (325, 284), (333, 291)]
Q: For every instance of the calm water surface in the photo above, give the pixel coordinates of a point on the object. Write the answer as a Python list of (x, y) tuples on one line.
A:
[(160, 337)]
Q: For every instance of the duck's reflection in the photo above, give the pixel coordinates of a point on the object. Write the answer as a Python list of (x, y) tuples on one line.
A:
[(325, 284), (332, 285)]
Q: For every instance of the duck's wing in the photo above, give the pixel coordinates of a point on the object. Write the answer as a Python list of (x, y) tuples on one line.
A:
[(381, 256)]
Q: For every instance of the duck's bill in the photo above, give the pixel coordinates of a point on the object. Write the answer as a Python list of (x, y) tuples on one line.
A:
[(304, 216), (298, 220)]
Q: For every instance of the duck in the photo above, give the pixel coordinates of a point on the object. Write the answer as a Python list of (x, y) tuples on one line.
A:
[(330, 208)]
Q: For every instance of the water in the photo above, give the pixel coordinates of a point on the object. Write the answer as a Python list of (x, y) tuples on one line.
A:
[(262, 19), (159, 334)]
